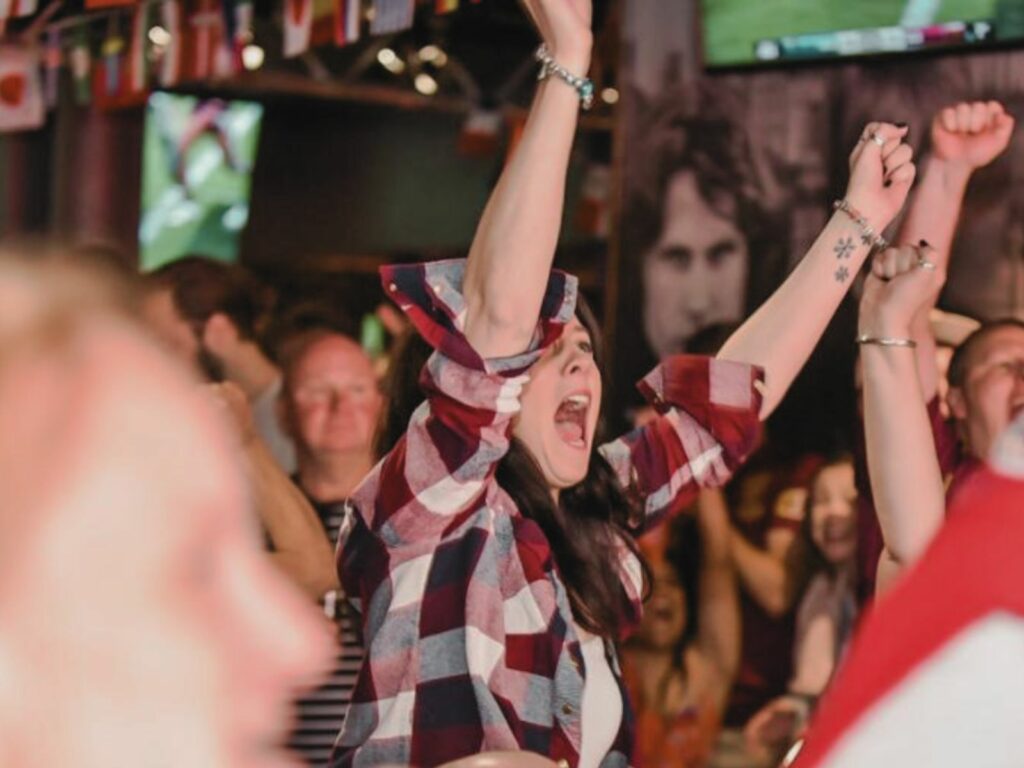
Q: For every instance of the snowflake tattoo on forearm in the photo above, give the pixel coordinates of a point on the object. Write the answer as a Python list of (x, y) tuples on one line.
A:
[(844, 248)]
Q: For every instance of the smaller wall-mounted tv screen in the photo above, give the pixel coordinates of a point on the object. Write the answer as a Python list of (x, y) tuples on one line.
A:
[(197, 162), (748, 32)]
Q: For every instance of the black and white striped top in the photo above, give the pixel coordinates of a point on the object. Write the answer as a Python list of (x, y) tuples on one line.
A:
[(321, 713)]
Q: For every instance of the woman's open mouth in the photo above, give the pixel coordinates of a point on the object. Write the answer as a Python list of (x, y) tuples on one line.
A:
[(571, 420)]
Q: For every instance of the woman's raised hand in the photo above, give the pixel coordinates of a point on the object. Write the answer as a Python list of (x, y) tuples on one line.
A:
[(881, 173), (901, 282), (565, 28), (971, 134)]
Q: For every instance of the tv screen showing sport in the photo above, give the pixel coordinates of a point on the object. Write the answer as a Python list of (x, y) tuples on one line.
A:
[(197, 162), (746, 32)]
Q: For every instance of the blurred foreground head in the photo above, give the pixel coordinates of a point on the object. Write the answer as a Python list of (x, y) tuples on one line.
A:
[(140, 623)]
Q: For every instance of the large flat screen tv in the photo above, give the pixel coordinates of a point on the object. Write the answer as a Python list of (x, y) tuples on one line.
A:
[(739, 33)]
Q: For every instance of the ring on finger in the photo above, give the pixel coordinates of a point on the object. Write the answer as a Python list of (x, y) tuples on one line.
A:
[(925, 264), (878, 139)]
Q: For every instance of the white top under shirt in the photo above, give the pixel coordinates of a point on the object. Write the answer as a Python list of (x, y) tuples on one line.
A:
[(602, 702)]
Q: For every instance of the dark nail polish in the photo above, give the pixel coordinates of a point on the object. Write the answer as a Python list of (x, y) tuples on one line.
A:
[(901, 125)]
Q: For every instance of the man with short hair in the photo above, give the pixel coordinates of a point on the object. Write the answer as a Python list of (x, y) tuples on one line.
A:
[(986, 384), (330, 405), (211, 315)]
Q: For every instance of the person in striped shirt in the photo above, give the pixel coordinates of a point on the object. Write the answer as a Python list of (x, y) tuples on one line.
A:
[(330, 405)]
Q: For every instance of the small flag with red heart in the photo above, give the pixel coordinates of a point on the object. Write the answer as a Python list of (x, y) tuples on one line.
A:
[(21, 92)]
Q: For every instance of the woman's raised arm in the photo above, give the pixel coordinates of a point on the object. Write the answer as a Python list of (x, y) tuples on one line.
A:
[(965, 137), (781, 334), (511, 255), (906, 480)]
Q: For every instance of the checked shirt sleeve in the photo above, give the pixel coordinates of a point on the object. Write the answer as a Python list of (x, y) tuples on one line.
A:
[(707, 425), (442, 467)]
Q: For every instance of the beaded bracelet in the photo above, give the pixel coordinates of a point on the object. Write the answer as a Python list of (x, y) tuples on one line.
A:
[(885, 341), (583, 86), (868, 236)]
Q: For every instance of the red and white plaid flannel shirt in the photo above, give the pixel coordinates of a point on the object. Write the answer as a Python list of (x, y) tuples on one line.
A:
[(470, 638)]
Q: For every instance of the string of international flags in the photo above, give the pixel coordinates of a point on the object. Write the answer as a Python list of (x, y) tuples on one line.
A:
[(118, 50)]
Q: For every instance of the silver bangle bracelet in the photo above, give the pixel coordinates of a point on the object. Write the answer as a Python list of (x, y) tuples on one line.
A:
[(885, 341), (868, 235), (583, 86)]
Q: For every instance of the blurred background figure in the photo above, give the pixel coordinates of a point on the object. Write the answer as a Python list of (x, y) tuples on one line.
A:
[(827, 609), (140, 624), (331, 405), (935, 672), (212, 315), (680, 665)]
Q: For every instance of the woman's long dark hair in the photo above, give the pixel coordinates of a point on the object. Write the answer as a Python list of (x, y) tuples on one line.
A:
[(585, 530)]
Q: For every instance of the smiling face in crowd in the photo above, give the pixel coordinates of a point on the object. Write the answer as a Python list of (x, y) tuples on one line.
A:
[(832, 503)]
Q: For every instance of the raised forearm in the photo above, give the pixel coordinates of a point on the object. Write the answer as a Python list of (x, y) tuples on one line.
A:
[(719, 601), (781, 334), (301, 547), (934, 210), (514, 247), (763, 575), (905, 477), (932, 217)]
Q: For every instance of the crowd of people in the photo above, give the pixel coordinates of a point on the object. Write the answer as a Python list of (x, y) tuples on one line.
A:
[(233, 538)]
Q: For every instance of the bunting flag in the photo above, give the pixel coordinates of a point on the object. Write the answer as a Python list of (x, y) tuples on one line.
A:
[(203, 38), (445, 6), (390, 16), (109, 71), (15, 9), (119, 79), (136, 70), (52, 60), (80, 61), (234, 33), (309, 23), (169, 69), (323, 22), (93, 4), (298, 26), (347, 16), (240, 33), (21, 93)]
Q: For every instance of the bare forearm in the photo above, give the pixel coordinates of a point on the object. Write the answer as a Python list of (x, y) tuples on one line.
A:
[(905, 477), (935, 208), (719, 601), (714, 527), (763, 575), (301, 546), (780, 335), (514, 247), (887, 574), (932, 218)]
